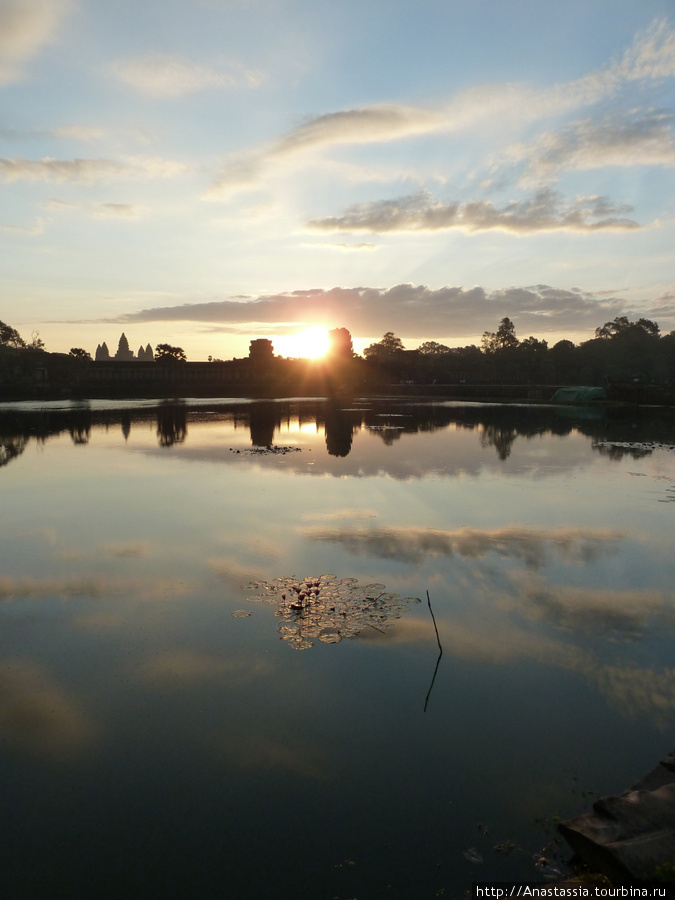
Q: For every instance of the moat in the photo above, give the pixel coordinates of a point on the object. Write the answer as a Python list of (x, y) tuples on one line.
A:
[(177, 721)]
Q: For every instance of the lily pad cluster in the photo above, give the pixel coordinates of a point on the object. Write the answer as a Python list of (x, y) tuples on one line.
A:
[(328, 608), (271, 450)]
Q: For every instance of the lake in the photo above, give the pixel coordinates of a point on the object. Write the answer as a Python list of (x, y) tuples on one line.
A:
[(220, 637)]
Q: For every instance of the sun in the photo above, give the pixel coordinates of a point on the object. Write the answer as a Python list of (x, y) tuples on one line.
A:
[(310, 343)]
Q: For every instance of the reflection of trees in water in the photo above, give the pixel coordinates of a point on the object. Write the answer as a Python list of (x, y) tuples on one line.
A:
[(500, 438), (497, 425), (171, 424), (616, 452), (80, 422), (328, 608), (10, 448)]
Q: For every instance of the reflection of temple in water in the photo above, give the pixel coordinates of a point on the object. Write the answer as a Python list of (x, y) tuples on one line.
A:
[(264, 419), (340, 429)]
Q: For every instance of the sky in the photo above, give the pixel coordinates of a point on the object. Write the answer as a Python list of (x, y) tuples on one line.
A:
[(207, 172)]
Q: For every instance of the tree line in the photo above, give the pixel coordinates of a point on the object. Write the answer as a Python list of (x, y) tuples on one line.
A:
[(621, 351)]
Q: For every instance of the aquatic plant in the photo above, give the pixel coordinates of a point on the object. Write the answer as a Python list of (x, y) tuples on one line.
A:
[(327, 608)]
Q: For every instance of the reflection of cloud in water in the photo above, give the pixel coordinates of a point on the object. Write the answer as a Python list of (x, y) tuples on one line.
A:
[(638, 691), (598, 611), (414, 545), (127, 550), (355, 515), (188, 667), (36, 716), (261, 753), (234, 572), (635, 691), (90, 586)]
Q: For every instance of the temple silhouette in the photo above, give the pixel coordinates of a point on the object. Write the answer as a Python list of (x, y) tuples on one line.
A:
[(124, 354)]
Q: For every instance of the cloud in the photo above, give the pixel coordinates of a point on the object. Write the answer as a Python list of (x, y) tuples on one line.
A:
[(235, 572), (183, 667), (259, 752), (36, 716), (384, 122), (594, 611), (92, 586), (128, 550), (351, 247), (128, 211), (88, 171), (26, 26), (30, 230), (118, 211), (545, 211), (643, 139), (634, 691), (534, 547), (79, 133), (410, 310), (163, 76), (651, 56)]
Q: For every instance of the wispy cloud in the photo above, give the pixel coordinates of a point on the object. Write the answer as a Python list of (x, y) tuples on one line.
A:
[(28, 230), (117, 211), (651, 56), (85, 133), (165, 77), (362, 125), (546, 211), (638, 139), (26, 26), (88, 171)]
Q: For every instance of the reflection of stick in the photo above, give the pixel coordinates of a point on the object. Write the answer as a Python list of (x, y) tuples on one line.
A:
[(440, 653)]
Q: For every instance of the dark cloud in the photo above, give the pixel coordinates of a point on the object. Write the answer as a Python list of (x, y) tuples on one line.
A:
[(410, 310)]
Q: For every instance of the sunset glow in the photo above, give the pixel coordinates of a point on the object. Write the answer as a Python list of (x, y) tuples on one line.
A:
[(310, 343), (259, 168)]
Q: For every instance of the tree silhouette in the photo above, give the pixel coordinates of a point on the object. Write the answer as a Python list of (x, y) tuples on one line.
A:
[(10, 337), (432, 348), (390, 345), (167, 353), (504, 339), (79, 353)]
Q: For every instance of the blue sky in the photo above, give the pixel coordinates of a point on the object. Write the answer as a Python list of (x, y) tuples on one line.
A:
[(205, 172)]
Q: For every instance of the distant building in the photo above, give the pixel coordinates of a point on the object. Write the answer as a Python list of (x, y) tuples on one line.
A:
[(340, 343), (261, 350), (124, 354), (145, 355)]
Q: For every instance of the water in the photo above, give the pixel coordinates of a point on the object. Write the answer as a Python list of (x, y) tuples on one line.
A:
[(177, 722)]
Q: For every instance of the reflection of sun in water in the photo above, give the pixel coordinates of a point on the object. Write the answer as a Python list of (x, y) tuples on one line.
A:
[(310, 343)]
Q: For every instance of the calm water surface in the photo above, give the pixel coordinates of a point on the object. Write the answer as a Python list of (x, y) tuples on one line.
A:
[(174, 723)]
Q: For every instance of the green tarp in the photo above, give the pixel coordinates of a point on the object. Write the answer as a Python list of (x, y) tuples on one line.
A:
[(579, 394)]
